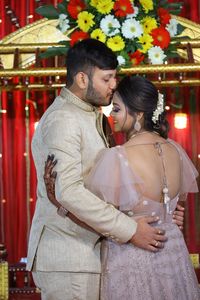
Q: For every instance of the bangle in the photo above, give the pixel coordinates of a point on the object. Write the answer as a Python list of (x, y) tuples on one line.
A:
[(62, 211)]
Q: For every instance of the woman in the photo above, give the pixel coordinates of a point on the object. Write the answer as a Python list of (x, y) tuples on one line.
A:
[(148, 175)]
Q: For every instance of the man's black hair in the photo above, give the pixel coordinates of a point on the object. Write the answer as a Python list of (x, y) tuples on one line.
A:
[(86, 55)]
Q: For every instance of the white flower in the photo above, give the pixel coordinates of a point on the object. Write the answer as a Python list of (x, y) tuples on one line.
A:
[(172, 27), (156, 55), (110, 25), (136, 10), (121, 60), (131, 29), (63, 23)]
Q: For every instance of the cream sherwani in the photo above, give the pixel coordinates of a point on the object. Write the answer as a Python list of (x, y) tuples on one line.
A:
[(71, 129)]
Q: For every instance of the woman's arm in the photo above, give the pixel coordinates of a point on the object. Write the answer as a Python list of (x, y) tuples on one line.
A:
[(49, 179)]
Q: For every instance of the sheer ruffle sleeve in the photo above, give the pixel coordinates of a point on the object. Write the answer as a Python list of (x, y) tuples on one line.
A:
[(189, 172), (113, 181)]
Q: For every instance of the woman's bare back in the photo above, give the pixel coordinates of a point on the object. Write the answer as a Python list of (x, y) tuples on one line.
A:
[(155, 160)]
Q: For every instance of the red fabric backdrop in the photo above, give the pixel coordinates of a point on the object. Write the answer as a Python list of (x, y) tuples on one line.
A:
[(17, 173)]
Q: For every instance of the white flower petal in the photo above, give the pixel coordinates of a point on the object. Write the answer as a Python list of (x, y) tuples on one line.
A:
[(172, 27), (156, 55), (121, 60), (63, 23), (110, 25), (131, 29), (62, 17)]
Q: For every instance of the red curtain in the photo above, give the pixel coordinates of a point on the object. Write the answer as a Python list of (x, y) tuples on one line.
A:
[(17, 173), (189, 139)]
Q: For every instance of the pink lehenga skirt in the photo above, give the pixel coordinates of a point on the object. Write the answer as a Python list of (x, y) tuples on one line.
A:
[(130, 273)]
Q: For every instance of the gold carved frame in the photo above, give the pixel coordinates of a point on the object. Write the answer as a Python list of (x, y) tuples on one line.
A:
[(40, 34)]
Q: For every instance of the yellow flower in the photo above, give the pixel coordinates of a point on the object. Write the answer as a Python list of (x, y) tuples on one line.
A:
[(116, 43), (98, 35), (146, 41), (105, 6), (149, 24), (147, 5), (94, 3), (85, 20)]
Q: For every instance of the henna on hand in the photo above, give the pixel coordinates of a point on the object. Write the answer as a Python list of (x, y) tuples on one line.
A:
[(49, 180)]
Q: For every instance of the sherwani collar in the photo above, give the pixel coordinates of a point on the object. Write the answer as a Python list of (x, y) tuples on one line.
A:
[(67, 94)]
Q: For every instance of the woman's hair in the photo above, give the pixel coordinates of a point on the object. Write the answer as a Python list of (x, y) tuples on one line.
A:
[(86, 55), (140, 95)]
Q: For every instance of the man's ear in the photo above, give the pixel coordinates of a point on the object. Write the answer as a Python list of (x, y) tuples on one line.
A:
[(81, 80)]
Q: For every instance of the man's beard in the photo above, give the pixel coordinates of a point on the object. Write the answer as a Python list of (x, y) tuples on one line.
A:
[(94, 97)]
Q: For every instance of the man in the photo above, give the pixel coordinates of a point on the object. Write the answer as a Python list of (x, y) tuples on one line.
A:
[(64, 257)]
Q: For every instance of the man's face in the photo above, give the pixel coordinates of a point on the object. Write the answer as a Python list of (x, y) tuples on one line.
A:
[(101, 86)]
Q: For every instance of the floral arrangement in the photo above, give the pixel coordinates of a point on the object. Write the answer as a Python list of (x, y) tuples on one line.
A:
[(138, 31)]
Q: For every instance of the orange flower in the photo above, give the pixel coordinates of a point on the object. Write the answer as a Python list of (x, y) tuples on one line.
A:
[(77, 36), (161, 37), (122, 8), (75, 7), (136, 57), (164, 16)]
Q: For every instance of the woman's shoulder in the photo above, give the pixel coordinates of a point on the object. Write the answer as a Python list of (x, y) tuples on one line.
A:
[(178, 147), (108, 153)]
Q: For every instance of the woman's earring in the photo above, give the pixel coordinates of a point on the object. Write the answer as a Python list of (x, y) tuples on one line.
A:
[(137, 125)]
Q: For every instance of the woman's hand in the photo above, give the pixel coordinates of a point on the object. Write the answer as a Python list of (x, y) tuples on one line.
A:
[(50, 178)]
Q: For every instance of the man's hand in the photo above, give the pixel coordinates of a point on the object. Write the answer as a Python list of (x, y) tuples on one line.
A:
[(178, 216), (148, 237)]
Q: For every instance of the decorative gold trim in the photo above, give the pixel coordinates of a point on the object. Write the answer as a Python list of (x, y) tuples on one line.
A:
[(42, 31), (55, 86), (182, 69), (192, 30), (31, 48), (27, 48), (3, 280), (155, 69), (144, 69)]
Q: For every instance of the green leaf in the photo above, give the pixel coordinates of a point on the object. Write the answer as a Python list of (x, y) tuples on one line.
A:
[(64, 2), (174, 5), (175, 12), (163, 2), (51, 52), (48, 11), (66, 43), (172, 55), (62, 8), (180, 28)]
